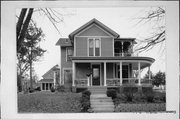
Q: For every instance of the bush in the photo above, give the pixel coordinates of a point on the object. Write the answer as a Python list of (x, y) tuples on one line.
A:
[(129, 93), (31, 90), (86, 93), (37, 89), (149, 94), (85, 101), (60, 88), (111, 93), (52, 89)]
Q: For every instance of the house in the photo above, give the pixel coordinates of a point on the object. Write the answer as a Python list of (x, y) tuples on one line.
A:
[(49, 79), (95, 55)]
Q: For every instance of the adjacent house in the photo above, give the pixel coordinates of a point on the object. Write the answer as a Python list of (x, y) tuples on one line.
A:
[(49, 79), (96, 56)]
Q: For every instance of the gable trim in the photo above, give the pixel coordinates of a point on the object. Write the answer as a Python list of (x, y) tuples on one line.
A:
[(110, 35), (93, 21)]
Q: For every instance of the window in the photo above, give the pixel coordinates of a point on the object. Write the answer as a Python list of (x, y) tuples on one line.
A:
[(91, 47), (94, 47), (69, 52)]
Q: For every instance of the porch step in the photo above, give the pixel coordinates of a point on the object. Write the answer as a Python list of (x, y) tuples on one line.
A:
[(101, 103)]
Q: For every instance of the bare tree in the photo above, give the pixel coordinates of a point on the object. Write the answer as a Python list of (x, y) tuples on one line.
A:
[(156, 19), (26, 55)]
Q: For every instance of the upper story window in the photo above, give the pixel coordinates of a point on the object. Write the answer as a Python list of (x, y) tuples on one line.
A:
[(94, 47), (69, 52)]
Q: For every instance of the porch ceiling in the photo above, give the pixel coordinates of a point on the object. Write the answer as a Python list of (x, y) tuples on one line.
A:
[(110, 59)]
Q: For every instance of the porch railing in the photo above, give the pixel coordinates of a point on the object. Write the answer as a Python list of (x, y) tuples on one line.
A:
[(115, 82), (81, 82), (125, 81), (127, 54)]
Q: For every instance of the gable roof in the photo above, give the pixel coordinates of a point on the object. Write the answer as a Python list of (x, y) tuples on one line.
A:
[(93, 21), (50, 73), (64, 42)]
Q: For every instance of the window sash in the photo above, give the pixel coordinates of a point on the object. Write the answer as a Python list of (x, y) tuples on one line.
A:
[(94, 47)]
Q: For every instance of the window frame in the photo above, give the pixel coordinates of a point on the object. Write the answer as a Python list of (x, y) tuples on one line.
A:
[(94, 46), (67, 48)]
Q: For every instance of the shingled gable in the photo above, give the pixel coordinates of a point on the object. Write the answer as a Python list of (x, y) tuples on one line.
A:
[(49, 74), (93, 21)]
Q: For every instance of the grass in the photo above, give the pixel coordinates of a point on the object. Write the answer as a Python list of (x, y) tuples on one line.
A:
[(146, 107), (140, 104), (47, 102)]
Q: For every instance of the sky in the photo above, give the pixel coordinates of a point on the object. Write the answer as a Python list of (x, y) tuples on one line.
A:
[(123, 20)]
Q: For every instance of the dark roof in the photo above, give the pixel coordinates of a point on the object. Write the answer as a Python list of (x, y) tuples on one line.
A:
[(93, 21), (46, 81), (50, 73), (114, 58), (64, 42)]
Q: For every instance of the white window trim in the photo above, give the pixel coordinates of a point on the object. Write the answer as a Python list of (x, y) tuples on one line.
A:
[(94, 44), (66, 53)]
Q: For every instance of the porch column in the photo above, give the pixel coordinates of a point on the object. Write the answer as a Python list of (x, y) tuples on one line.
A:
[(54, 78), (149, 73), (49, 86), (120, 71), (73, 71), (104, 73), (139, 74)]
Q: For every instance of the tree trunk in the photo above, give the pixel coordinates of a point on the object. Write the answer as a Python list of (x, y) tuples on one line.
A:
[(20, 22), (25, 26), (31, 81)]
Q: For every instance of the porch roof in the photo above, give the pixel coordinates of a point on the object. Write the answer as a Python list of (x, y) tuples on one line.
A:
[(46, 81), (149, 59)]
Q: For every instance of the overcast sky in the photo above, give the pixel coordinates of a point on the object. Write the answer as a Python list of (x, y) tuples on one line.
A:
[(120, 19)]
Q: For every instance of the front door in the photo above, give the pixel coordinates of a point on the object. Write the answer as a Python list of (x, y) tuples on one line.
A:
[(96, 74), (68, 79)]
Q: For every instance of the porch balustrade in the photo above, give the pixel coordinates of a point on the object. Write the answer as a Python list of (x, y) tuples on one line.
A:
[(127, 54), (127, 81), (81, 82)]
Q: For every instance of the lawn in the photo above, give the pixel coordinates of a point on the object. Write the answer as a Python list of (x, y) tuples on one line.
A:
[(47, 102), (140, 103)]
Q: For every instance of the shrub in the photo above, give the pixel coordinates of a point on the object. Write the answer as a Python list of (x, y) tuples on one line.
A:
[(86, 93), (31, 90), (60, 88), (37, 89), (163, 98), (149, 94), (52, 89), (129, 93), (85, 101), (111, 93)]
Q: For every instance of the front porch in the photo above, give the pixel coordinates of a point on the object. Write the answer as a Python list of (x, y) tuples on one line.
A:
[(109, 73)]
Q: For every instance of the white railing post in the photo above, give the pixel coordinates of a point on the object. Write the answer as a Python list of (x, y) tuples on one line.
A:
[(104, 73), (139, 74), (149, 74), (120, 71), (73, 71), (88, 81)]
